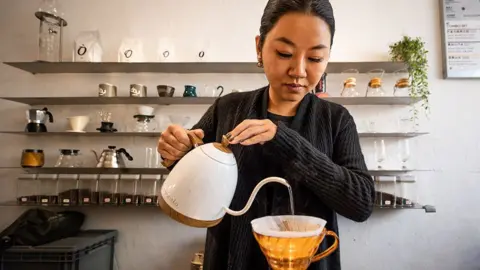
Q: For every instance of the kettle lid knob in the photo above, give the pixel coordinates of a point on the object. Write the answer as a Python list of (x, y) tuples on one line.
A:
[(111, 147)]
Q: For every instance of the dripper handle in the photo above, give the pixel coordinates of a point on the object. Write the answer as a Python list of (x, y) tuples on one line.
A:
[(329, 250), (194, 139), (254, 194)]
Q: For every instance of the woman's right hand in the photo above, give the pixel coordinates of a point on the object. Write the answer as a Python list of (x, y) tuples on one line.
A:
[(174, 142)]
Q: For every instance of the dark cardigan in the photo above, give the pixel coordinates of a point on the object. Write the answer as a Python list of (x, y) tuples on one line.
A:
[(319, 155)]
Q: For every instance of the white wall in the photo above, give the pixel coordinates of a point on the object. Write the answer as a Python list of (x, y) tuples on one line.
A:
[(394, 240)]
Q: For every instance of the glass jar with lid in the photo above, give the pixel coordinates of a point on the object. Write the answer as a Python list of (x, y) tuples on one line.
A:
[(32, 158)]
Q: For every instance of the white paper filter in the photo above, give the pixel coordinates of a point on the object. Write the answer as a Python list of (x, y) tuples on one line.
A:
[(299, 226)]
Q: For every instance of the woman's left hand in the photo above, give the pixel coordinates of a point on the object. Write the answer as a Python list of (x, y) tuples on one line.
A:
[(253, 131)]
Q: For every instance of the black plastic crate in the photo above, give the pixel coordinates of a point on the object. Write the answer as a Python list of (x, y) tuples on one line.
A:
[(89, 250)]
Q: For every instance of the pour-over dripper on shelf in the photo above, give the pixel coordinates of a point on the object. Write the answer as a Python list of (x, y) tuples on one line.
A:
[(375, 88), (290, 242), (350, 83)]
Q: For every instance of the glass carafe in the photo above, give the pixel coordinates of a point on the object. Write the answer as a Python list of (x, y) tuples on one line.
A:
[(350, 83), (375, 88), (144, 123), (69, 158), (402, 83)]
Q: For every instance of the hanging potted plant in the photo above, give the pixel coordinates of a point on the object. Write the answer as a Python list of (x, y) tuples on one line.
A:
[(412, 52)]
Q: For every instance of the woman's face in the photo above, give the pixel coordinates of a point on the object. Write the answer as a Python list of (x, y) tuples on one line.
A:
[(295, 55)]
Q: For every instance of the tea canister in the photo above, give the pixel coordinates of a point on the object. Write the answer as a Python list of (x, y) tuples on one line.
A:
[(50, 36)]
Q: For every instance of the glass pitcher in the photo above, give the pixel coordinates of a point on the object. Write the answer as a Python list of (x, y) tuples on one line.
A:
[(375, 88), (402, 83), (350, 83)]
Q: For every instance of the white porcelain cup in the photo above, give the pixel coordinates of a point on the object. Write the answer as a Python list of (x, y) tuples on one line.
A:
[(78, 123), (145, 110)]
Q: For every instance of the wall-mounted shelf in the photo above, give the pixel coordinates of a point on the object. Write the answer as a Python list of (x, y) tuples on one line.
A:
[(14, 203), (156, 134), (158, 171), (390, 134), (187, 67), (427, 208), (86, 134), (33, 101), (81, 170)]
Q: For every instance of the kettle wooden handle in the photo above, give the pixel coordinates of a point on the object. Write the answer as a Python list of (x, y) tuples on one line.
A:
[(194, 139)]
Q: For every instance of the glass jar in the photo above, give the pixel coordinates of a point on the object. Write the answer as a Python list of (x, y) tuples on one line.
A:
[(50, 36), (32, 158), (149, 189), (128, 189), (48, 189), (88, 189), (108, 189), (68, 189), (27, 189)]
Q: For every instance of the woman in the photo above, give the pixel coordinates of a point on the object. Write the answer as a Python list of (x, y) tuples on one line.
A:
[(284, 130)]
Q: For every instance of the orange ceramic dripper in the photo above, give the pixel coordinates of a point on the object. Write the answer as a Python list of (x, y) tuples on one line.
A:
[(290, 242)]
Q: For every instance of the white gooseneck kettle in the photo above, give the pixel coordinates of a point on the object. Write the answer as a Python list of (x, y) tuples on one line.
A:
[(200, 188)]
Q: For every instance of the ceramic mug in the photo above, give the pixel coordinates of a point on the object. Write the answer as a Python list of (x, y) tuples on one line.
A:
[(138, 90), (107, 90), (190, 91)]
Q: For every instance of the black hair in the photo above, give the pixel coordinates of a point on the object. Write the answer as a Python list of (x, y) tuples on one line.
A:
[(277, 8)]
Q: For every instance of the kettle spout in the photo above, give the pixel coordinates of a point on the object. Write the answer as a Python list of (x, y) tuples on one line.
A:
[(254, 194)]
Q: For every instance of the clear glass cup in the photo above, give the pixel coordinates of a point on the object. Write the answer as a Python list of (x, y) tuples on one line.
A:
[(380, 152), (404, 153)]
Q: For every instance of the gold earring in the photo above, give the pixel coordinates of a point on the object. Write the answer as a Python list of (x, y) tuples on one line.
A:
[(259, 63)]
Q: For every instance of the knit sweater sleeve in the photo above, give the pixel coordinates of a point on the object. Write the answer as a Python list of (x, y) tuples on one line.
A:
[(342, 183)]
